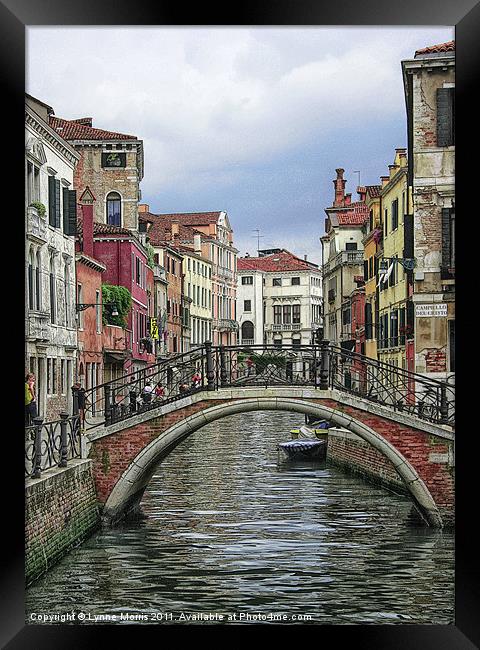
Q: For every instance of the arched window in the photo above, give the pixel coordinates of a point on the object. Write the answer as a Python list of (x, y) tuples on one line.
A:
[(114, 209), (66, 284), (38, 293), (53, 293), (31, 293), (247, 331)]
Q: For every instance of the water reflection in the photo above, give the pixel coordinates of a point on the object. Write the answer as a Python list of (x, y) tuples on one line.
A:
[(230, 528)]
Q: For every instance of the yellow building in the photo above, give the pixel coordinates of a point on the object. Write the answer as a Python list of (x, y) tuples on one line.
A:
[(393, 293), (197, 286), (372, 250)]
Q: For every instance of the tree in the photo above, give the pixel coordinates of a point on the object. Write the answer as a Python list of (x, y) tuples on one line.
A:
[(121, 298)]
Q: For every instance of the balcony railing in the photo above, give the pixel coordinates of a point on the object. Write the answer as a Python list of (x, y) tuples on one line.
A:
[(286, 327), (345, 257), (36, 225), (224, 324), (37, 325)]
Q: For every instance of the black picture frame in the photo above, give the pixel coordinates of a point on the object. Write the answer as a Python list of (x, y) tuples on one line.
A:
[(15, 15)]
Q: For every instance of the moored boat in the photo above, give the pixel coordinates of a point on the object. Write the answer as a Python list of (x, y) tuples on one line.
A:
[(304, 449)]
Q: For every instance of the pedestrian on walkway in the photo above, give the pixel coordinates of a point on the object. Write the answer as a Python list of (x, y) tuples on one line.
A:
[(196, 379), (147, 392), (249, 363), (77, 388), (30, 399), (159, 391)]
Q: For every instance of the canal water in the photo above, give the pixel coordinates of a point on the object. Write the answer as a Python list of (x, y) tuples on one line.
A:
[(233, 534)]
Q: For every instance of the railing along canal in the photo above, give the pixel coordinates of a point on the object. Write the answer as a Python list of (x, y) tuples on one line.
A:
[(320, 366), (51, 444)]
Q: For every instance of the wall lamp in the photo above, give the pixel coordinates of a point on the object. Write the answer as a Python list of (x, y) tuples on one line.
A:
[(81, 306)]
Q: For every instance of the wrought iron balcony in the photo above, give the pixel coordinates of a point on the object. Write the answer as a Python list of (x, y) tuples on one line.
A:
[(286, 327)]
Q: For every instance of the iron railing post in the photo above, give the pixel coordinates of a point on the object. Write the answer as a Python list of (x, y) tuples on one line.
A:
[(210, 371), (63, 440), (108, 407), (132, 396), (37, 449), (443, 403), (223, 367), (324, 364), (74, 400)]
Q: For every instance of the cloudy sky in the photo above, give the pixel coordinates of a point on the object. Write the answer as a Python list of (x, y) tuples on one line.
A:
[(253, 121)]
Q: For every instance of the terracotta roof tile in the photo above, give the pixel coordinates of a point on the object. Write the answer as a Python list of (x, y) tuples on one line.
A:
[(276, 262), (441, 47), (101, 228), (160, 229), (373, 190), (72, 130)]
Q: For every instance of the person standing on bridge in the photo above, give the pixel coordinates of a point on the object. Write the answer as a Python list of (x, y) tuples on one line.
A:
[(30, 399), (250, 364), (159, 391), (147, 392), (196, 379)]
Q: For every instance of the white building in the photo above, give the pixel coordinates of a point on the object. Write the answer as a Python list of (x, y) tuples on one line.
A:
[(279, 299), (50, 220)]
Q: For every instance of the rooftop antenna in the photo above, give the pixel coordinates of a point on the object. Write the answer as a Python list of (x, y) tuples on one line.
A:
[(356, 171), (259, 236)]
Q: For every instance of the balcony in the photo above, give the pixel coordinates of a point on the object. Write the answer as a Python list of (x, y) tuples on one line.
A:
[(116, 340), (224, 324), (37, 326), (345, 257), (36, 226), (159, 273), (286, 327), (248, 341)]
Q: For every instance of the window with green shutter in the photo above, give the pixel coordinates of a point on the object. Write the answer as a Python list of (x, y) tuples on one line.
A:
[(51, 200), (57, 204), (445, 117)]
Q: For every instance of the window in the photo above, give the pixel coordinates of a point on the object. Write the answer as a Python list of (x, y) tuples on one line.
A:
[(368, 321), (365, 270), (98, 312), (30, 281), (295, 281), (296, 314), (247, 305), (53, 202), (277, 342), (66, 289), (137, 270), (346, 316), (395, 214), (247, 279), (287, 314), (370, 269), (448, 243), (247, 331), (385, 221), (351, 246), (445, 117), (38, 294), (63, 381), (394, 328), (114, 209), (277, 282), (451, 344), (53, 295), (277, 314), (296, 341), (79, 301), (173, 267)]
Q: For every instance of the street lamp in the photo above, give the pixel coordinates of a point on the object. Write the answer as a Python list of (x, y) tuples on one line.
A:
[(408, 263)]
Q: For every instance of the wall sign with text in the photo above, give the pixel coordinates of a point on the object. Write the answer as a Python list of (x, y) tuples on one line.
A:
[(435, 310)]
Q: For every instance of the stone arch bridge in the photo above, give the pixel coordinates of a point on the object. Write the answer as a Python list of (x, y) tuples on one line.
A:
[(411, 437)]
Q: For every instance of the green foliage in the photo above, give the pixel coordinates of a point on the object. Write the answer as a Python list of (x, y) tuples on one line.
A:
[(150, 255), (122, 298), (41, 209), (263, 360)]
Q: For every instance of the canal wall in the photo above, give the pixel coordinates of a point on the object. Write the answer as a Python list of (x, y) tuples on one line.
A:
[(348, 451), (60, 513)]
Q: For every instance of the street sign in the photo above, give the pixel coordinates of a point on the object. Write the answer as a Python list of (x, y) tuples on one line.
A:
[(437, 310)]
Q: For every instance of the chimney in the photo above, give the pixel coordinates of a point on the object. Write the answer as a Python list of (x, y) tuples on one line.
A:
[(247, 254), (197, 243), (86, 200), (339, 184), (305, 258), (348, 199), (384, 180), (175, 229), (143, 207), (362, 193)]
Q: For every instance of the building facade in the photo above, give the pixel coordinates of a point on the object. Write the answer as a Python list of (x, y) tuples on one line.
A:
[(285, 299), (342, 256), (111, 164), (429, 84), (394, 292), (50, 217), (372, 251)]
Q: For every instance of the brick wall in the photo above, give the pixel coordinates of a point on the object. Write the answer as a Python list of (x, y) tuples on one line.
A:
[(60, 512)]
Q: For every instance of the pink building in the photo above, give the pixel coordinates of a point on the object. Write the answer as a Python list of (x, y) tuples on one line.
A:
[(125, 259)]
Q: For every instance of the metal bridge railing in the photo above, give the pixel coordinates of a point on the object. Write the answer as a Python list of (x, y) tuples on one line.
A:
[(321, 366), (51, 444)]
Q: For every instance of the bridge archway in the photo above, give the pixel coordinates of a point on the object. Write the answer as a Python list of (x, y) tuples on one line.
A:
[(128, 491)]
